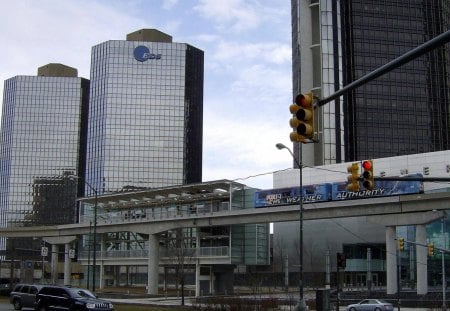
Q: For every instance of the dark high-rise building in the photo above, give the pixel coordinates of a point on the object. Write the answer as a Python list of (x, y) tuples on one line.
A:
[(403, 112), (42, 146), (146, 113)]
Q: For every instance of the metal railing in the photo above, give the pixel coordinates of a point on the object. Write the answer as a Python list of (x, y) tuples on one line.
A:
[(156, 213), (221, 251)]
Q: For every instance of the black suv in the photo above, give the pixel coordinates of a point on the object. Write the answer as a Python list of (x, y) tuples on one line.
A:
[(24, 296), (69, 298)]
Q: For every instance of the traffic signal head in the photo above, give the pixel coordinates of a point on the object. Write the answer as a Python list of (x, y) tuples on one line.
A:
[(341, 262), (401, 244), (353, 178), (430, 249), (368, 181), (303, 118)]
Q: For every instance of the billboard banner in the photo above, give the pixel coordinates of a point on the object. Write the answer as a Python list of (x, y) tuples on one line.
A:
[(382, 188), (285, 196)]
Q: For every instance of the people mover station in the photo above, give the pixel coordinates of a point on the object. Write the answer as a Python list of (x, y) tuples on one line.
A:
[(211, 233)]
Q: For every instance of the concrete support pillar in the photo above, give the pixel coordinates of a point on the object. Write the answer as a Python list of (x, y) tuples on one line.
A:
[(67, 264), (54, 264), (153, 264), (391, 261), (421, 260)]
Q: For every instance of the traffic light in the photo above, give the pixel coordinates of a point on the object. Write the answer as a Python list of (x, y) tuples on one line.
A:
[(430, 249), (353, 178), (401, 244), (368, 181), (341, 260), (303, 118)]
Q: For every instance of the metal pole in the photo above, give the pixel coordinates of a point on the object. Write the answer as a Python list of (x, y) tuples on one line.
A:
[(439, 40), (302, 304), (94, 257), (444, 283), (369, 270), (89, 256), (302, 299), (399, 274)]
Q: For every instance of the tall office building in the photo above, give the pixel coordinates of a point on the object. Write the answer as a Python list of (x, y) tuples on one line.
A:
[(146, 113), (403, 112), (42, 146)]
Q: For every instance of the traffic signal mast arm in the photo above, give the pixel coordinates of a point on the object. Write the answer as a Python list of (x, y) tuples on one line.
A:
[(412, 178), (439, 40), (425, 245)]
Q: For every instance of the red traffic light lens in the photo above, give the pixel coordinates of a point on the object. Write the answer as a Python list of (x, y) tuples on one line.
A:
[(367, 165), (304, 100)]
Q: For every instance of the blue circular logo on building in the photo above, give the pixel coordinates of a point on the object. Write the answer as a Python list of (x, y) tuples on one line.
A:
[(142, 53)]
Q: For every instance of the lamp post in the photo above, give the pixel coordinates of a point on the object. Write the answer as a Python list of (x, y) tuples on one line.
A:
[(444, 246), (302, 304), (94, 256)]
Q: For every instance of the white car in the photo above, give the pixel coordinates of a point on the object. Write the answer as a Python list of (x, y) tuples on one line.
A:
[(372, 305)]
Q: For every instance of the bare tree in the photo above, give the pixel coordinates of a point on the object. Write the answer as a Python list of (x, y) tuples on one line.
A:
[(279, 254), (182, 251)]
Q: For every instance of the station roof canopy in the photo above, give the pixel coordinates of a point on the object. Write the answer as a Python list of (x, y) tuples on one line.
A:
[(130, 197)]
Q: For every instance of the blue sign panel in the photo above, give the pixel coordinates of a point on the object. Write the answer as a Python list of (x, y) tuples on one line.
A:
[(142, 53), (382, 188), (284, 196)]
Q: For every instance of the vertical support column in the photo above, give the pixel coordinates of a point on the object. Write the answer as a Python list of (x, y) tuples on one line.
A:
[(391, 261), (102, 266), (421, 260), (197, 278), (67, 264), (54, 263), (197, 265), (153, 264)]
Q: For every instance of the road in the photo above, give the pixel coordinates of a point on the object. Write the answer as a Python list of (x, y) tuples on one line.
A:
[(6, 306)]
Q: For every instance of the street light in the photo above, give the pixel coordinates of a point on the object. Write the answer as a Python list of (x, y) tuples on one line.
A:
[(302, 304), (94, 257)]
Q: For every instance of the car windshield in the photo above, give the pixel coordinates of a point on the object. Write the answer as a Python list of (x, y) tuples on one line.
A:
[(79, 292)]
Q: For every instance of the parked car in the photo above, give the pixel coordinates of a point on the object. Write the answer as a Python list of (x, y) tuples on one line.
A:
[(24, 296), (69, 298), (372, 305)]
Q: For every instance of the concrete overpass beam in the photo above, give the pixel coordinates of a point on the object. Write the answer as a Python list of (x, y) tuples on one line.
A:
[(407, 219), (153, 267), (421, 260), (391, 261)]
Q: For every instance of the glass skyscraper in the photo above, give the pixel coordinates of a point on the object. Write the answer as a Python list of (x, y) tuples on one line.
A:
[(403, 112), (42, 146), (146, 113)]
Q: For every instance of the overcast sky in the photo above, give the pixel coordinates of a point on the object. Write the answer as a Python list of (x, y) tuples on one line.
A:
[(247, 45)]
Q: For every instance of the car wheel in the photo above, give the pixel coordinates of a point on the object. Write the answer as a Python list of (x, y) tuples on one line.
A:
[(352, 309), (377, 309), (17, 304), (42, 308)]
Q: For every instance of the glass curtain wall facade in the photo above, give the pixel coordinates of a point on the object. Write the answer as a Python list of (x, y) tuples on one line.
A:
[(407, 110), (403, 112), (41, 147), (145, 118), (317, 66)]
